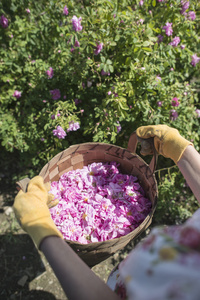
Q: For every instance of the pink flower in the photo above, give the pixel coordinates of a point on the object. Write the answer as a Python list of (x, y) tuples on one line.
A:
[(182, 46), (141, 2), (103, 73), (119, 128), (191, 15), (76, 44), (109, 93), (17, 94), (159, 103), (97, 203), (4, 21), (160, 38), (50, 73), (55, 94), (73, 126), (53, 117), (76, 22), (28, 11), (158, 78), (175, 102), (198, 112), (185, 6), (175, 41), (98, 48), (173, 114), (77, 101), (141, 21), (168, 29), (59, 132), (195, 60), (65, 11)]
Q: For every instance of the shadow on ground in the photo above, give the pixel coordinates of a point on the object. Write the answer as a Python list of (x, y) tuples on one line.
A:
[(20, 264)]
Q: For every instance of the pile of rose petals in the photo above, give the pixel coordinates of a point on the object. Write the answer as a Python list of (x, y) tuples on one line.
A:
[(98, 203)]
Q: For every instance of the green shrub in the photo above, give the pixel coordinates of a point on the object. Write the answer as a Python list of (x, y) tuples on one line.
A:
[(111, 76)]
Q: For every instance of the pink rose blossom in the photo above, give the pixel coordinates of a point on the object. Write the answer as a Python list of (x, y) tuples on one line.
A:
[(175, 41), (50, 73), (185, 6), (76, 23), (98, 48), (119, 128), (17, 94), (158, 78), (28, 11), (173, 114), (103, 73), (76, 44), (55, 94), (73, 126), (65, 11), (160, 38), (195, 60), (59, 132), (191, 15), (77, 101), (168, 29), (175, 102), (198, 112), (109, 93), (4, 21)]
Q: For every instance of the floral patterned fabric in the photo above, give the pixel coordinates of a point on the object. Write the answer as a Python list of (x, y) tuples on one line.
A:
[(165, 265)]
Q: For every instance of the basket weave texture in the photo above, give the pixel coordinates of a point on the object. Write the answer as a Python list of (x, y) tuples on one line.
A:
[(77, 156)]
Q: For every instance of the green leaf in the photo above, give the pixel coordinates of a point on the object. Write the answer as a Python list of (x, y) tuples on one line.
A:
[(146, 43), (147, 49), (109, 62), (154, 3), (113, 43), (111, 68)]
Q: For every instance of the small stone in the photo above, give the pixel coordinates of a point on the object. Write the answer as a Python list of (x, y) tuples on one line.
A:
[(22, 280), (8, 211)]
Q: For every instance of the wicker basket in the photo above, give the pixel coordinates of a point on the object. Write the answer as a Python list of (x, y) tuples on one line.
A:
[(77, 156)]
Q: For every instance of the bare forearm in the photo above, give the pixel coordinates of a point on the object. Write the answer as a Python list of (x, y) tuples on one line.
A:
[(189, 165), (76, 278)]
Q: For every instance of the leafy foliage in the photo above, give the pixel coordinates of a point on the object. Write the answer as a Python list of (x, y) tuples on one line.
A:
[(129, 83)]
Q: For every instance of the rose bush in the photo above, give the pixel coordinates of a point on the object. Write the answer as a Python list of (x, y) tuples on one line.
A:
[(80, 71)]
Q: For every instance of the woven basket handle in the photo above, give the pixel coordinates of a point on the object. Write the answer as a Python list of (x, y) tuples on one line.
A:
[(132, 145)]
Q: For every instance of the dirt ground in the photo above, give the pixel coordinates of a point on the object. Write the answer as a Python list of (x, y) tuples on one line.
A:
[(25, 274)]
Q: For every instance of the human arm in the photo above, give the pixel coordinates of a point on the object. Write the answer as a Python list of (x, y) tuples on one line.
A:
[(169, 143), (189, 165), (77, 279)]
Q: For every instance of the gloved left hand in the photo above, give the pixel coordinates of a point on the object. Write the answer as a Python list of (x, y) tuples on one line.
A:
[(32, 210)]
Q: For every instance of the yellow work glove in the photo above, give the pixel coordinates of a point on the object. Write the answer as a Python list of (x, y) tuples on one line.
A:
[(32, 210), (167, 141)]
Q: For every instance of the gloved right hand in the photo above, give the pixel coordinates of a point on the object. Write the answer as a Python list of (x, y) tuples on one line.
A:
[(167, 141)]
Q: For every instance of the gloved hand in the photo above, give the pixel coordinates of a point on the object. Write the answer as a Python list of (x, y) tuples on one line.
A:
[(167, 141), (32, 210)]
